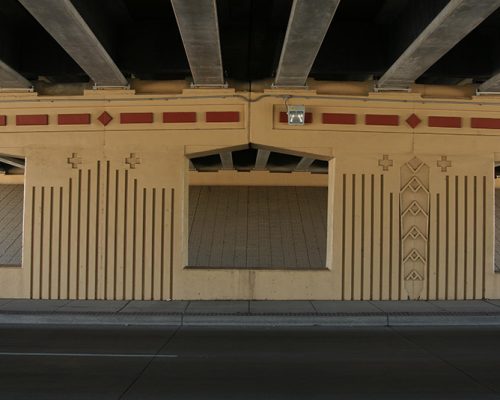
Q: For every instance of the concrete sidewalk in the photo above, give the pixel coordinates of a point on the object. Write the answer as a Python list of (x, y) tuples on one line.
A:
[(267, 313)]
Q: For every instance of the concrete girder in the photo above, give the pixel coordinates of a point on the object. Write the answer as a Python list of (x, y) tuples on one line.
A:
[(308, 24), (11, 79), (491, 85), (15, 162), (226, 158), (304, 164), (457, 19), (261, 159), (199, 29), (65, 24)]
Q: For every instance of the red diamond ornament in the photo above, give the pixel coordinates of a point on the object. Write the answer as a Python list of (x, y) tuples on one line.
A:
[(413, 121), (105, 118)]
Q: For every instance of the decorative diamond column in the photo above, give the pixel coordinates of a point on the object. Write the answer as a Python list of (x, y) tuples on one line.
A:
[(414, 201)]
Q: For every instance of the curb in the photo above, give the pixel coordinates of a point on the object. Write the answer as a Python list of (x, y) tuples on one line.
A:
[(179, 319)]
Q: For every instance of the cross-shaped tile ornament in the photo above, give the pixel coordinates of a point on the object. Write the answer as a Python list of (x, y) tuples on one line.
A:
[(132, 160), (385, 162), (74, 160), (444, 163)]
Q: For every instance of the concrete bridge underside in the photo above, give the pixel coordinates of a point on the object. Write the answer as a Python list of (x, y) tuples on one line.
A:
[(111, 110)]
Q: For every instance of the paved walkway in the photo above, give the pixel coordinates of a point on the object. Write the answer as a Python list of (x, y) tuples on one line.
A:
[(306, 313)]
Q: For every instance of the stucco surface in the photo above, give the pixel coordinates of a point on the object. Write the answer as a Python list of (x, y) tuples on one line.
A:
[(410, 200)]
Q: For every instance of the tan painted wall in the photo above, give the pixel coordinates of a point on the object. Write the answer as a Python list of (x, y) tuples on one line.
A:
[(256, 178), (105, 230), (11, 179)]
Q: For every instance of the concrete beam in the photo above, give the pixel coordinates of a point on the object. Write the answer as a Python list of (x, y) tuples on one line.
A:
[(15, 162), (11, 79), (491, 85), (450, 26), (226, 158), (261, 159), (62, 20), (199, 29), (309, 21), (304, 164)]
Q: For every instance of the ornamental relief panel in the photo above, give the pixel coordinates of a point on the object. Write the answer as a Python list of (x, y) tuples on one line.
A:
[(414, 218)]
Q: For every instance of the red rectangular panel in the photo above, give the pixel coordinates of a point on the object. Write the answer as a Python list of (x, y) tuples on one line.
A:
[(73, 119), (3, 120), (179, 117), (337, 118), (284, 117), (378, 119), (485, 123), (40, 119), (136, 118), (222, 116), (445, 122)]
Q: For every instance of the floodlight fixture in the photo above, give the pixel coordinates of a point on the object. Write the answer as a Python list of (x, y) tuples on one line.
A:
[(296, 115)]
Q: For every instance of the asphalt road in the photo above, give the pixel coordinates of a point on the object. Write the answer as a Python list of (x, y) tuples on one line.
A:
[(249, 363)]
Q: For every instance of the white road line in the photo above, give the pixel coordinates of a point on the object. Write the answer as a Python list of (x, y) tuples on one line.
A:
[(110, 355)]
